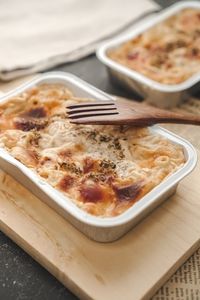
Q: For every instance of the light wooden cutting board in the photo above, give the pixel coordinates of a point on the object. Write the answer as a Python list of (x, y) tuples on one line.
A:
[(133, 267)]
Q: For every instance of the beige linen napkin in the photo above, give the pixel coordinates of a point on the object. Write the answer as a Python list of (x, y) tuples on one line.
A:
[(39, 34)]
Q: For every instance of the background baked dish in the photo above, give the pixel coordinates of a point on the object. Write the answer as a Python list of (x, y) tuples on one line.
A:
[(104, 170), (168, 53)]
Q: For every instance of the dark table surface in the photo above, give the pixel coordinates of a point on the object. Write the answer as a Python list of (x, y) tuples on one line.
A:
[(21, 277)]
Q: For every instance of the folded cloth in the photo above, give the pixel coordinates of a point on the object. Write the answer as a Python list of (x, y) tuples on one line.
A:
[(38, 35)]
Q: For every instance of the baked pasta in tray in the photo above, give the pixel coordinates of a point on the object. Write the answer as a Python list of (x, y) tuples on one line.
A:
[(104, 170), (168, 53)]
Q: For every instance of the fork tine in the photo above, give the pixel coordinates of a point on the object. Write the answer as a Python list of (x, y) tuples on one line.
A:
[(91, 104), (91, 115), (105, 119), (93, 109)]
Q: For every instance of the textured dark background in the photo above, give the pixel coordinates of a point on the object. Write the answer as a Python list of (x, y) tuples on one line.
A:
[(21, 278)]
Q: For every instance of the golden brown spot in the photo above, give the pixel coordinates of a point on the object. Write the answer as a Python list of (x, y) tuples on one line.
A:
[(66, 183), (51, 105), (27, 125), (88, 165), (92, 193), (129, 192), (79, 147), (36, 113)]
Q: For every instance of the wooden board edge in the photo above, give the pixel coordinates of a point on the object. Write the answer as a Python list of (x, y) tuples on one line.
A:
[(41, 259), (181, 261)]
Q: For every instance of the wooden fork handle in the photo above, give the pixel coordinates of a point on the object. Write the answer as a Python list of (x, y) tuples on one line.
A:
[(174, 118), (143, 114), (149, 115), (153, 121)]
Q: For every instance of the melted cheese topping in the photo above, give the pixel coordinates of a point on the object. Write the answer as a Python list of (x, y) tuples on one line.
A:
[(104, 170), (168, 52)]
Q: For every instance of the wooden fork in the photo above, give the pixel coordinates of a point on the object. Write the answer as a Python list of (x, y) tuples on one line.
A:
[(125, 113)]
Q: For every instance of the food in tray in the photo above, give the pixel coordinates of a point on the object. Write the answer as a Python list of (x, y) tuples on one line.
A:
[(168, 53), (104, 170)]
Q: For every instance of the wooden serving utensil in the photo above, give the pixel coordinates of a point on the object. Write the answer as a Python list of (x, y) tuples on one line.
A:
[(125, 113)]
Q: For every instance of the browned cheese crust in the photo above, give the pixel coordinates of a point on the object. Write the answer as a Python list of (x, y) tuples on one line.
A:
[(168, 53), (104, 170)]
